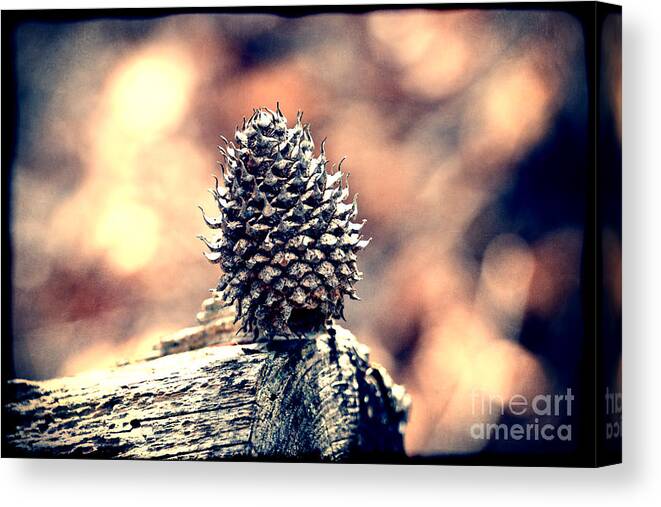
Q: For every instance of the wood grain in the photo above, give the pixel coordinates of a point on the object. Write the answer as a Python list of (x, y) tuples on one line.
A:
[(315, 399)]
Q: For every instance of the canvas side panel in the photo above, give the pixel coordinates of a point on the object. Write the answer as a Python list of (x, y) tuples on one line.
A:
[(609, 225)]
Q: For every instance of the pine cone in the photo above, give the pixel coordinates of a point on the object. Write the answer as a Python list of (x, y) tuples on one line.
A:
[(286, 239)]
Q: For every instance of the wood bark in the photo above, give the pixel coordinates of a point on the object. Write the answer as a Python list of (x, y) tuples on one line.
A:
[(315, 399)]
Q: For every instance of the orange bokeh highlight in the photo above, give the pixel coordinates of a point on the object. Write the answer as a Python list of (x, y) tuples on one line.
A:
[(150, 93)]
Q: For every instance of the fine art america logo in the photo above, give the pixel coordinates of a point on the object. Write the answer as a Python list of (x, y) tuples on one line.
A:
[(613, 414), (546, 408)]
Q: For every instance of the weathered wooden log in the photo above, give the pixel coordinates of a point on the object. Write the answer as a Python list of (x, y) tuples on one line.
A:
[(316, 399)]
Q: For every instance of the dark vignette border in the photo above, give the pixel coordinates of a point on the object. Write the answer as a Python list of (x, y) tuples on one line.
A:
[(588, 14)]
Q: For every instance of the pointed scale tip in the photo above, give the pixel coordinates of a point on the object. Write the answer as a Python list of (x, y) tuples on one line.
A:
[(214, 257), (363, 244)]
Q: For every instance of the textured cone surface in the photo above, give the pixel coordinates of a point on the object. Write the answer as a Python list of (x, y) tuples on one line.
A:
[(285, 238)]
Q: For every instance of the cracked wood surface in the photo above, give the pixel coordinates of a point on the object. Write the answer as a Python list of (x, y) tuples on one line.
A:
[(317, 399)]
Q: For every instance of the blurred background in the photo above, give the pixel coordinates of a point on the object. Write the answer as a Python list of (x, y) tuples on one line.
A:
[(465, 137)]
